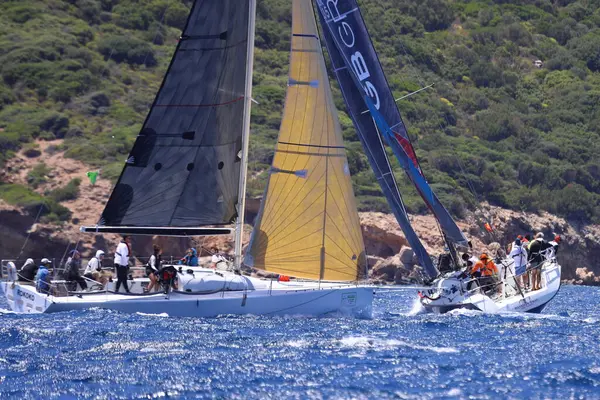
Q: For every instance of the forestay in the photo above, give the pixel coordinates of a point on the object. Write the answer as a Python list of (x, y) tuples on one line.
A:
[(184, 167), (343, 22), (308, 224)]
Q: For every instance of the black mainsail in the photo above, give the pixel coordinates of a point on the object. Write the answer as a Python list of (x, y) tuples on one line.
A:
[(184, 168)]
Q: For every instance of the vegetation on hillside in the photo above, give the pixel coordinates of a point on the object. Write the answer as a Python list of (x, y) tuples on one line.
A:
[(494, 127)]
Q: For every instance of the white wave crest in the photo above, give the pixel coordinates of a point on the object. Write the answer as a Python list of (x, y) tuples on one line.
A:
[(384, 344), (161, 315)]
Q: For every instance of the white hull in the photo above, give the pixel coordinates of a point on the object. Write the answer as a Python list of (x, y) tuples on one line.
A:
[(263, 298), (451, 293)]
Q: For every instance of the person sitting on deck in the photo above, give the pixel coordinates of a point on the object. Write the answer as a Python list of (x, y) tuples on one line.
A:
[(484, 270), (191, 258), (218, 260), (94, 271), (42, 278), (167, 276), (28, 271), (152, 268), (72, 269)]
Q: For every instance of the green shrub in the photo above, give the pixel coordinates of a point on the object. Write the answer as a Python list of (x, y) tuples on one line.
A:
[(68, 192), (32, 202), (127, 49), (38, 175)]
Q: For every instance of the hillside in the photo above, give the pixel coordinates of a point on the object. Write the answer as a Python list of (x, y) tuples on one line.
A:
[(513, 117)]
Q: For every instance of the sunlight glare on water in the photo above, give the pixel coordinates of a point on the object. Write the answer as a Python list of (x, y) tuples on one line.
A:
[(397, 354)]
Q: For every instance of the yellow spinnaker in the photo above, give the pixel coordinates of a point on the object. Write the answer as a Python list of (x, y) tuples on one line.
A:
[(308, 225)]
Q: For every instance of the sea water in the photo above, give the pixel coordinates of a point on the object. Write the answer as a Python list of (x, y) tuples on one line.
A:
[(464, 354)]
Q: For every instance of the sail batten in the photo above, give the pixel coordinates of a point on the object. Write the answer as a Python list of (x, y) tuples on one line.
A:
[(308, 224), (184, 168)]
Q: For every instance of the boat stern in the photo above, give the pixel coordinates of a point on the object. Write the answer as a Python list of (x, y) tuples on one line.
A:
[(24, 298)]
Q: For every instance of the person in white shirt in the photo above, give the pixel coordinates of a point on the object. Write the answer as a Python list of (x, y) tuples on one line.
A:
[(122, 262), (93, 270), (218, 261), (519, 255)]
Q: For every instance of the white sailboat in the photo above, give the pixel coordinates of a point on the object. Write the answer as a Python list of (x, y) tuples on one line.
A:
[(457, 289), (190, 157)]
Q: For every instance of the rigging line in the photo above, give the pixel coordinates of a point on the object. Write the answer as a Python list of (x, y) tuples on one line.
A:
[(31, 230)]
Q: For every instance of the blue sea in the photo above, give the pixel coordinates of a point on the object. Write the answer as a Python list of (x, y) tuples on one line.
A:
[(108, 355)]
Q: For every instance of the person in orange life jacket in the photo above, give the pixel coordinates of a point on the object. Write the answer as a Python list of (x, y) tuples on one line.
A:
[(122, 262), (484, 270)]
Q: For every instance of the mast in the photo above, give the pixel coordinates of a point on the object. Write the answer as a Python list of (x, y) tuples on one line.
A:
[(239, 224)]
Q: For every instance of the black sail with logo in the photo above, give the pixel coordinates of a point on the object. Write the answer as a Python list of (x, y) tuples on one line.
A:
[(184, 167)]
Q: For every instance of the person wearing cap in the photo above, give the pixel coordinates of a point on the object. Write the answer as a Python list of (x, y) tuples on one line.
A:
[(72, 269), (28, 271), (93, 270), (42, 278), (484, 270), (122, 262), (519, 256)]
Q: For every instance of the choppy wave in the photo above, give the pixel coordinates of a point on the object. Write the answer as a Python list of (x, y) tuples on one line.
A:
[(397, 354)]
